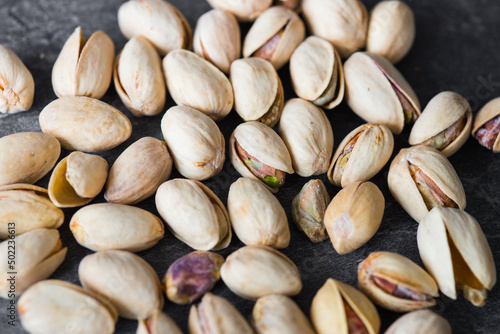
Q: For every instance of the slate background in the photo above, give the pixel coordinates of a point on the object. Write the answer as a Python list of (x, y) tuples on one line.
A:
[(456, 48)]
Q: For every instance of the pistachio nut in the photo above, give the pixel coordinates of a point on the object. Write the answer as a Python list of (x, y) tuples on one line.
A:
[(195, 142), (138, 171), (445, 123), (391, 30), (17, 86), (156, 20), (217, 38), (378, 93), (396, 283), (125, 279), (38, 254), (266, 159), (340, 308), (85, 66), (194, 214), (317, 73), (26, 157), (341, 22), (192, 275), (456, 253), (138, 78), (256, 215), (26, 186), (421, 178), (158, 323), (116, 226), (308, 210), (84, 124), (361, 154), (194, 82), (255, 271), (258, 93), (308, 135), (54, 306), (274, 36), (420, 322), (486, 127), (244, 10)]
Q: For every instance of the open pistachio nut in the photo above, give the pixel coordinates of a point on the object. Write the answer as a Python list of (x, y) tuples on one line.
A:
[(420, 322), (486, 127), (244, 10), (158, 323)]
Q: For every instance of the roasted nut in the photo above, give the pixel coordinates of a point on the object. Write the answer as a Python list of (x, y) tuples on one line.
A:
[(486, 128), (420, 322), (244, 10), (158, 323)]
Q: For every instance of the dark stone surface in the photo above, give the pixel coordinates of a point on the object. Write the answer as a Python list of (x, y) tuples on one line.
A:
[(455, 49)]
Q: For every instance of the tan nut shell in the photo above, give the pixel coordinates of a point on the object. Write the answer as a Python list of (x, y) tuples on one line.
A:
[(158, 323), (256, 215), (84, 67), (26, 157), (26, 186), (420, 322), (244, 10), (487, 113)]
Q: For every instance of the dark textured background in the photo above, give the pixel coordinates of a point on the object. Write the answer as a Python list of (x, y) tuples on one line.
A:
[(456, 48)]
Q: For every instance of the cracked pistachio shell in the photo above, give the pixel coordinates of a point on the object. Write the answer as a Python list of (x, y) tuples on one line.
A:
[(116, 226), (317, 73), (487, 113), (84, 124), (391, 30), (274, 36), (77, 179), (258, 93), (420, 322), (38, 254), (244, 10), (255, 271), (362, 159), (26, 157), (17, 87), (371, 81), (125, 279), (329, 314), (25, 186), (256, 215), (455, 251), (54, 306), (138, 171), (158, 323), (194, 214), (195, 142), (341, 22), (442, 112), (435, 166), (156, 20), (403, 275), (85, 66), (138, 78), (194, 82), (217, 38)]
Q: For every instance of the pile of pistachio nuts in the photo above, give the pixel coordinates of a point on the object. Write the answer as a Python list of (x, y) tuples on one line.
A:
[(207, 74)]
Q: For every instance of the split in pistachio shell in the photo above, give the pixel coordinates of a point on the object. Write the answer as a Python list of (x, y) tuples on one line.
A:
[(294, 5), (85, 66), (308, 210), (377, 92), (420, 322), (158, 323), (361, 154), (445, 123), (486, 128), (396, 283), (455, 251), (340, 308), (26, 186), (421, 178), (274, 36), (244, 10), (258, 93)]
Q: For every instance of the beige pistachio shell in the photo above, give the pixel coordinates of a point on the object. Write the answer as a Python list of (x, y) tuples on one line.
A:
[(17, 87), (125, 279), (54, 306), (116, 226), (85, 124), (420, 322), (138, 171), (328, 313), (194, 82), (84, 66), (255, 271), (26, 186), (372, 150), (158, 323), (244, 10), (158, 21), (26, 157), (217, 38), (391, 31), (138, 78), (194, 214), (38, 254), (195, 142), (486, 114)]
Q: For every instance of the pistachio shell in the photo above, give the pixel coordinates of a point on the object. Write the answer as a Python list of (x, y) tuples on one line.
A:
[(244, 10), (25, 186), (158, 323), (487, 113), (420, 322)]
